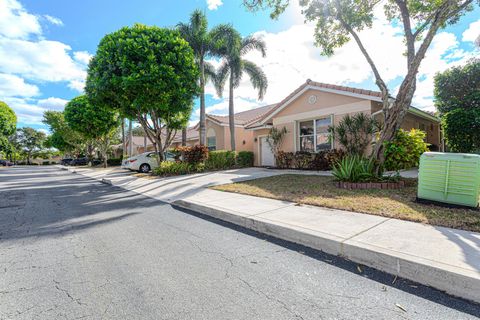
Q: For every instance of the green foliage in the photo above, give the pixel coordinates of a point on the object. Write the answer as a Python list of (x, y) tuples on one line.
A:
[(356, 169), (90, 121), (30, 141), (8, 120), (458, 88), (326, 159), (461, 128), (355, 132), (63, 137), (148, 74), (245, 159), (170, 168), (275, 139), (194, 154), (320, 161), (405, 150), (220, 160)]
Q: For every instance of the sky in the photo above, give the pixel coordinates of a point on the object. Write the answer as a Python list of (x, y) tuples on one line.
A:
[(45, 47)]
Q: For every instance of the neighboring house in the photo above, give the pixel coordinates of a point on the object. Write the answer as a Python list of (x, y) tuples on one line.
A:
[(306, 113)]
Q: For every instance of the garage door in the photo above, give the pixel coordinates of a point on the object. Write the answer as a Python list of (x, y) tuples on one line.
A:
[(267, 158)]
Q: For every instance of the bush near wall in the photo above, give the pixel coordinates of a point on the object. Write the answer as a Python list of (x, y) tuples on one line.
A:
[(221, 160), (405, 150), (245, 159), (320, 161), (194, 154), (170, 168)]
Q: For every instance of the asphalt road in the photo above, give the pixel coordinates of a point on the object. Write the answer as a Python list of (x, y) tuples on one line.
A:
[(72, 248)]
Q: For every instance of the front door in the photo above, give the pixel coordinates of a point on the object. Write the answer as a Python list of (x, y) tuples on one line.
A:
[(267, 158)]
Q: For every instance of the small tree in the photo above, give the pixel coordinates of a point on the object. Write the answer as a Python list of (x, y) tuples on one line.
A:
[(8, 124), (461, 128), (63, 137), (275, 139), (30, 141), (355, 133), (92, 122), (148, 74)]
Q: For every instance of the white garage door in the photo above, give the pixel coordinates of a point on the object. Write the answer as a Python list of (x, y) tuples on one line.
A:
[(266, 157)]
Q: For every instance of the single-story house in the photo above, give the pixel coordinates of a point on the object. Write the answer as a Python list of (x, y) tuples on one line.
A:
[(306, 113)]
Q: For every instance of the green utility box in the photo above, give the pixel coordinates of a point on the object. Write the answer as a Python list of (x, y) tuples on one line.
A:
[(452, 178)]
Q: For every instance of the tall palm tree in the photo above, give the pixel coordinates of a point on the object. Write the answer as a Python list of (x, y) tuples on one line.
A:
[(196, 34), (233, 67)]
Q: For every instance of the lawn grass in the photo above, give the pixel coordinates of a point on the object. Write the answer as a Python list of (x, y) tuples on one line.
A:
[(321, 191)]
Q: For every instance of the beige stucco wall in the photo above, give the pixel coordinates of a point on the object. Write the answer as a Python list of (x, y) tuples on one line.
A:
[(327, 104)]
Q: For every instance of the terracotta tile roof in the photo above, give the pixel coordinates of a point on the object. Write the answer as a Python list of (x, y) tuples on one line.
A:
[(373, 94), (192, 133), (244, 117)]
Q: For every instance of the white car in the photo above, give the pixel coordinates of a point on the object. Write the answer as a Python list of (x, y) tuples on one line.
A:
[(144, 162)]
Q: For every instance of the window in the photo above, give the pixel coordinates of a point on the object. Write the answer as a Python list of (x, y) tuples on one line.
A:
[(314, 134), (211, 140)]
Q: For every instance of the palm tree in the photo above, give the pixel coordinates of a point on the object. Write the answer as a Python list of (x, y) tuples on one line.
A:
[(233, 47), (197, 35)]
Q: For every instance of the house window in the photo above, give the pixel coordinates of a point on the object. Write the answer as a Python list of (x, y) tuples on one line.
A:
[(314, 134), (211, 140)]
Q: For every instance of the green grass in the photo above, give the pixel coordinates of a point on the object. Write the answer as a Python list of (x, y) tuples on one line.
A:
[(321, 191)]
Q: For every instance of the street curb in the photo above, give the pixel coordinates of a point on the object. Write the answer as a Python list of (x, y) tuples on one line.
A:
[(464, 285)]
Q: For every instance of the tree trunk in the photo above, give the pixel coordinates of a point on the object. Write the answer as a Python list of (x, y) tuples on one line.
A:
[(130, 137), (124, 142), (184, 137), (231, 113), (202, 128)]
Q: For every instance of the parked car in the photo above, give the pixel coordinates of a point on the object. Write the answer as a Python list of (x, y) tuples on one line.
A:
[(5, 163), (66, 161), (79, 162), (145, 162)]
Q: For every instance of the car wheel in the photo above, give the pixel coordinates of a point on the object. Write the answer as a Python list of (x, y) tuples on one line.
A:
[(144, 168)]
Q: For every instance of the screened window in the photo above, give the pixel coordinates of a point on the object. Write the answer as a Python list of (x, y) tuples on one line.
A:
[(211, 140), (314, 134)]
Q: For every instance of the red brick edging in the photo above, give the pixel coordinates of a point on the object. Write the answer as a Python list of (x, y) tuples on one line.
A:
[(370, 185)]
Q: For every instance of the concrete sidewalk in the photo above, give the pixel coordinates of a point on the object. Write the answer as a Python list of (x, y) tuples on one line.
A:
[(444, 258)]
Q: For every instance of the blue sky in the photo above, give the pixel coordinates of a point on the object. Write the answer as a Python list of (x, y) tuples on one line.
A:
[(45, 47)]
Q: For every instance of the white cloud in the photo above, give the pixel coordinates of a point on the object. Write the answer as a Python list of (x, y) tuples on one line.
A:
[(16, 22), (53, 20), (82, 57), (42, 60), (30, 111), (214, 4), (472, 33), (13, 86), (52, 103)]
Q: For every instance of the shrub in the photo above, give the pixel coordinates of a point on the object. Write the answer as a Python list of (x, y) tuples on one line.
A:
[(46, 163), (355, 132), (275, 139), (356, 169), (245, 159), (405, 150), (114, 161), (170, 168), (325, 160), (284, 160), (462, 130), (220, 160), (194, 154), (302, 159)]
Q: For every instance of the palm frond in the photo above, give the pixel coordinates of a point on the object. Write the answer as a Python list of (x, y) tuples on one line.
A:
[(225, 40), (257, 77), (253, 43), (221, 78), (210, 72)]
